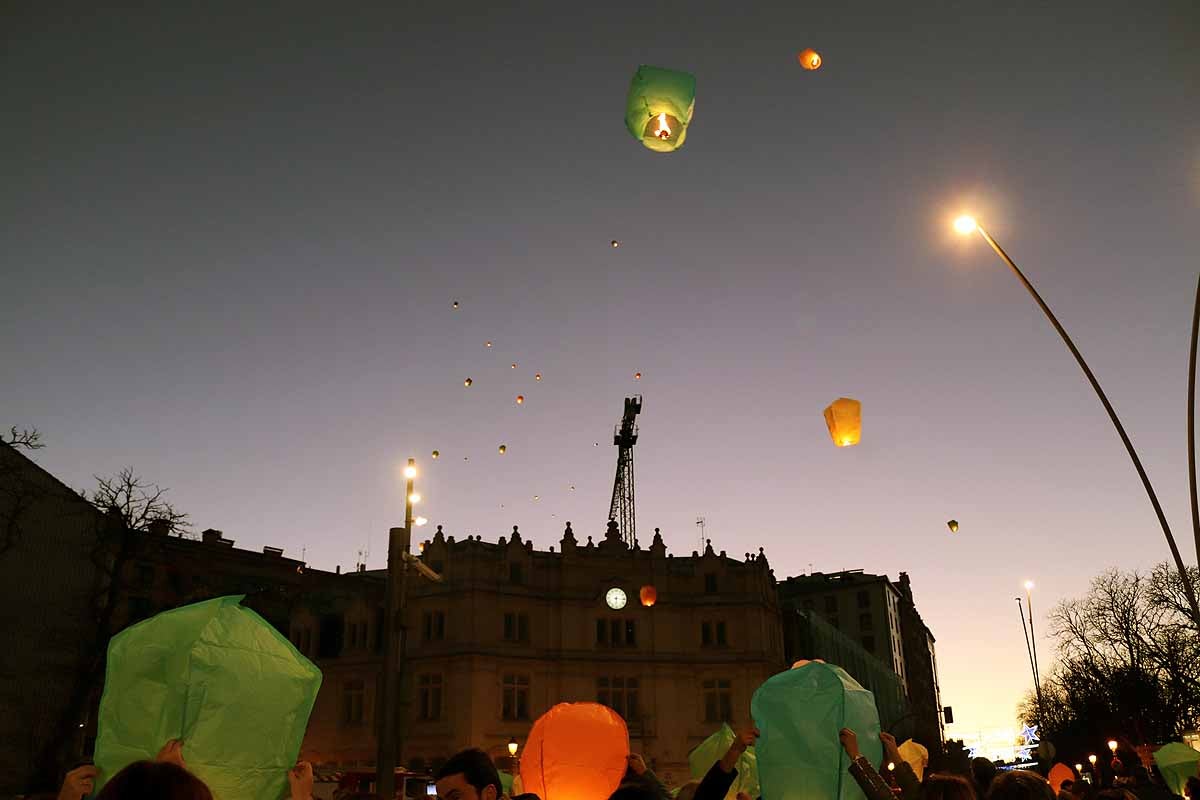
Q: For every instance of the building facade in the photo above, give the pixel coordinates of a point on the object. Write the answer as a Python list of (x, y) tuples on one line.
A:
[(881, 618), (513, 630)]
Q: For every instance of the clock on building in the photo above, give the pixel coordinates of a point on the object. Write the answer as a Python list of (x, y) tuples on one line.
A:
[(615, 597)]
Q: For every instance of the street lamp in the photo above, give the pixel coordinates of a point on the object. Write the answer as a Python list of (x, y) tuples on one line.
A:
[(1112, 745), (394, 634), (966, 225), (512, 747), (1092, 760)]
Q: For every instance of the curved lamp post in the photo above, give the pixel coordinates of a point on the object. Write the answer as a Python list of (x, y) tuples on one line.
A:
[(966, 225)]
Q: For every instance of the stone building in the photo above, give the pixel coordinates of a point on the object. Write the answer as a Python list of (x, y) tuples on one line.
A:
[(881, 618), (514, 630)]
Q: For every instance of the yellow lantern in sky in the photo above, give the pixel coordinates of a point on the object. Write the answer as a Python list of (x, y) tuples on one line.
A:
[(844, 418)]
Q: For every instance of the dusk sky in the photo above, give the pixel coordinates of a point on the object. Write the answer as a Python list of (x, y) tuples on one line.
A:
[(230, 240)]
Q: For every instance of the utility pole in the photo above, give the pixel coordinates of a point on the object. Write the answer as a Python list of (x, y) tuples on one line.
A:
[(700, 523), (394, 641)]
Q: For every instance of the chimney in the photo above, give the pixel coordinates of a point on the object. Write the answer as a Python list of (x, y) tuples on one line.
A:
[(274, 552), (160, 527), (211, 536)]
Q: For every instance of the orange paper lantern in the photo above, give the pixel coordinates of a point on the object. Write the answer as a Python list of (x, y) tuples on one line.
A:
[(1058, 774), (844, 418), (649, 596), (809, 59), (575, 751)]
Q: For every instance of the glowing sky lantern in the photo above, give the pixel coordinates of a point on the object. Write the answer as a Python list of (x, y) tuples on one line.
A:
[(503, 449), (455, 305), (487, 344), (615, 244), (648, 596), (537, 377), (514, 365), (575, 751), (435, 454), (952, 525), (637, 376), (659, 108), (844, 418), (468, 382), (809, 59), (520, 399)]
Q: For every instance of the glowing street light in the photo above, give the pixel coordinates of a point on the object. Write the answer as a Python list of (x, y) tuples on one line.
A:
[(512, 746), (1112, 745), (1092, 760), (966, 225), (410, 471), (414, 498), (1028, 586)]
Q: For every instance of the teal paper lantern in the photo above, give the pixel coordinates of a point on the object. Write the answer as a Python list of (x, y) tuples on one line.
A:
[(660, 106), (799, 714)]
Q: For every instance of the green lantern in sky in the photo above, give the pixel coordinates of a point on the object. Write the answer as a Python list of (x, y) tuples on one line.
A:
[(660, 106), (221, 679)]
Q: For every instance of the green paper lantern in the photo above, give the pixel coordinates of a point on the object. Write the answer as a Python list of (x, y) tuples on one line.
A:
[(1177, 762), (660, 106), (220, 678), (712, 749), (799, 714)]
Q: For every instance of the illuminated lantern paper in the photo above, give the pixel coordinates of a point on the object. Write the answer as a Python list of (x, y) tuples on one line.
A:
[(659, 108), (514, 365), (222, 679), (649, 596), (455, 304), (1177, 762), (799, 714), (468, 382), (809, 59), (487, 344), (575, 751), (435, 454), (952, 525), (503, 449), (916, 756), (615, 244), (537, 377), (844, 418), (712, 749), (1058, 774), (520, 399)]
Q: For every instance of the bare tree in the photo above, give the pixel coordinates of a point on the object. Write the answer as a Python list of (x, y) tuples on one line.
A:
[(26, 438), (141, 506), (17, 493)]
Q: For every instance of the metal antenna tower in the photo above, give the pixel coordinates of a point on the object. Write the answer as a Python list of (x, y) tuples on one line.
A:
[(700, 524), (625, 436)]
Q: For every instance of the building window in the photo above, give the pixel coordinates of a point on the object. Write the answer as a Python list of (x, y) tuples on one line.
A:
[(430, 697), (864, 621), (619, 694), (868, 643), (830, 604), (516, 627), (330, 638), (712, 634), (515, 573), (616, 632), (433, 626), (516, 698), (718, 701), (352, 703), (864, 600), (710, 583)]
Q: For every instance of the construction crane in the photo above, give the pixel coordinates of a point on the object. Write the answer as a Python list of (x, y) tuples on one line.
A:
[(625, 436)]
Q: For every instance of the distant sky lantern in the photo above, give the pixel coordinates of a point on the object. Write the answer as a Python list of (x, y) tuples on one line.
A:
[(809, 59), (455, 304), (659, 108), (615, 244), (487, 344), (844, 418), (503, 449), (435, 454), (468, 382), (649, 596), (514, 365), (952, 525), (537, 377), (637, 376), (520, 399)]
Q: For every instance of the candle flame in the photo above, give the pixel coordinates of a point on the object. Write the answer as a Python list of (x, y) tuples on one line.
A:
[(664, 129)]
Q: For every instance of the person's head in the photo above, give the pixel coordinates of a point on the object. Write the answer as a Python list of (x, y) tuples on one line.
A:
[(469, 775), (1020, 784), (945, 786), (1191, 789), (154, 780), (1065, 787), (983, 772)]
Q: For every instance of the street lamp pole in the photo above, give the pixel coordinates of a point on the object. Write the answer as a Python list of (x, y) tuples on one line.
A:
[(966, 225), (1037, 675), (1037, 687), (394, 636)]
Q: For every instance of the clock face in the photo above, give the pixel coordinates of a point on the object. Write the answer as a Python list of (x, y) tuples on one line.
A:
[(615, 598)]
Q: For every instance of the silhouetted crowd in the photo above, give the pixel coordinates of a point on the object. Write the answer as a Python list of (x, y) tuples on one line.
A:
[(471, 775)]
